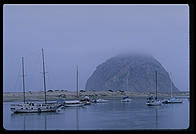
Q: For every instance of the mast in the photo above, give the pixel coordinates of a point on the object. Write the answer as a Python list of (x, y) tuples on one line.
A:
[(127, 80), (171, 86), (44, 79), (156, 84), (77, 81), (23, 80)]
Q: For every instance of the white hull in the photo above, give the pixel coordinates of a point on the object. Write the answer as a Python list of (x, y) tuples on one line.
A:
[(154, 103), (172, 101), (126, 100), (74, 103), (101, 101), (33, 108)]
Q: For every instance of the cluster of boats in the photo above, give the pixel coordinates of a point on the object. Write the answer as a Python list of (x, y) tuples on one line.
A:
[(154, 101), (30, 107), (34, 107)]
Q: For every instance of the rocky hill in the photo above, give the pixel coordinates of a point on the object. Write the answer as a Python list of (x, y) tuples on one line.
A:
[(130, 72)]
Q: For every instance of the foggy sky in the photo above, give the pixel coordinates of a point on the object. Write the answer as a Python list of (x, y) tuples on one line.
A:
[(87, 35)]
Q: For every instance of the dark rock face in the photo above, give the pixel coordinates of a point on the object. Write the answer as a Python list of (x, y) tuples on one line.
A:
[(130, 72)]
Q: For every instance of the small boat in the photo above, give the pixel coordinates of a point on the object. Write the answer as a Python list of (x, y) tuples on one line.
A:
[(153, 101), (73, 103), (126, 99), (100, 101), (86, 100), (172, 99)]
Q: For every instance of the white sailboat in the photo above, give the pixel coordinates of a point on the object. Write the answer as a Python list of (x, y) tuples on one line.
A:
[(153, 101), (172, 99), (31, 107), (74, 103), (126, 99)]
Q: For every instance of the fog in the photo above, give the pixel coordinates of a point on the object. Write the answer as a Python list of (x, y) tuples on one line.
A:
[(87, 35)]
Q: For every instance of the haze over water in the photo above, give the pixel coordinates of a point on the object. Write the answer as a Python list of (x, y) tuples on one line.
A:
[(87, 35)]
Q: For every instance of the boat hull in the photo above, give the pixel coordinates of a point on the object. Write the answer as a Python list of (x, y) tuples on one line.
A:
[(172, 101), (154, 103), (126, 100), (33, 108), (73, 105)]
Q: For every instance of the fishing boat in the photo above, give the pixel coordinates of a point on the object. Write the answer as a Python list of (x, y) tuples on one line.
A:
[(172, 99), (153, 101), (74, 103), (31, 107), (126, 98)]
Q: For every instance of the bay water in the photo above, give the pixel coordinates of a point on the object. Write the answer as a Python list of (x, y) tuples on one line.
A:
[(113, 115)]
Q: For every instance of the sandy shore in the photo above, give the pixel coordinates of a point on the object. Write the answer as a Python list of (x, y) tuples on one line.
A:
[(55, 95)]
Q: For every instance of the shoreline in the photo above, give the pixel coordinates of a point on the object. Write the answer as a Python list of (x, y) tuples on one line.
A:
[(71, 95)]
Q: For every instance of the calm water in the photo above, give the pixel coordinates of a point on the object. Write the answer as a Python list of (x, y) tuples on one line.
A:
[(111, 115)]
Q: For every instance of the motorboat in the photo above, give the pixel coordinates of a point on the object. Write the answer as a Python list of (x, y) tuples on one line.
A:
[(126, 99), (100, 101)]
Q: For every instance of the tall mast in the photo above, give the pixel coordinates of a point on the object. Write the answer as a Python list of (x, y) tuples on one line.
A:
[(127, 80), (156, 85), (44, 74), (23, 80), (171, 85), (77, 81)]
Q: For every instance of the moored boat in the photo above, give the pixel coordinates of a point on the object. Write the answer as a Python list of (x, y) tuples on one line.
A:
[(30, 107), (172, 99), (126, 99), (73, 103), (153, 101)]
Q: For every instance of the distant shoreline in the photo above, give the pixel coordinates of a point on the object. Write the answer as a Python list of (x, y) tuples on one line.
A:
[(55, 95)]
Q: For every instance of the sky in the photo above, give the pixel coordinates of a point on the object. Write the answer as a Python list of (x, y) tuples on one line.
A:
[(88, 35)]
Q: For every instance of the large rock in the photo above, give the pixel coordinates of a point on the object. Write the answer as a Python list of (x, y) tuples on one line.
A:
[(131, 72)]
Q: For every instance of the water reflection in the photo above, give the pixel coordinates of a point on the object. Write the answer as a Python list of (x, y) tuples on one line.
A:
[(45, 121), (77, 119), (24, 123), (156, 119), (135, 115), (29, 117)]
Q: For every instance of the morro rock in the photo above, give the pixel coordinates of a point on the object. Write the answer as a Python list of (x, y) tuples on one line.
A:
[(132, 72)]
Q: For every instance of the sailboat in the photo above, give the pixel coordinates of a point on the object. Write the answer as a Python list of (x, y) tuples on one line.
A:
[(31, 107), (153, 101), (172, 99), (126, 99), (74, 103)]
